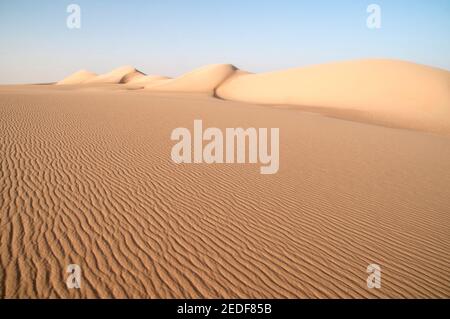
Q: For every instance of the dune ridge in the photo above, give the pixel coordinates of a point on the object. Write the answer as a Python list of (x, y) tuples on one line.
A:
[(120, 75), (203, 80), (78, 77), (388, 92)]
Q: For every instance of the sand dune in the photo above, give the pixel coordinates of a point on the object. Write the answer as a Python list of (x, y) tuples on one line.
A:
[(203, 80), (157, 82), (86, 178), (123, 74), (387, 91), (147, 81), (133, 76), (78, 78)]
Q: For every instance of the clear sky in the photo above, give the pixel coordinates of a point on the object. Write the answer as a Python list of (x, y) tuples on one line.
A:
[(170, 37)]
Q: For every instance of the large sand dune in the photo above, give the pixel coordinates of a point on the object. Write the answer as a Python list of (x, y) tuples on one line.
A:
[(86, 178), (386, 91), (203, 80), (78, 78), (123, 74), (147, 81)]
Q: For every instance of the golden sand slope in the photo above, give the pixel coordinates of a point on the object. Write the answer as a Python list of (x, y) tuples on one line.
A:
[(203, 80), (78, 78), (86, 178), (147, 81), (386, 91), (123, 74)]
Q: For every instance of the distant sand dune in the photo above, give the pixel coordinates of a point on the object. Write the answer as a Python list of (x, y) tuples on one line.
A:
[(78, 78), (147, 80), (388, 92), (133, 76), (203, 80), (120, 75)]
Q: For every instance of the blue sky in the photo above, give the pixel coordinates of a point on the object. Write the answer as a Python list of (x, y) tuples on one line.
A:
[(170, 37)]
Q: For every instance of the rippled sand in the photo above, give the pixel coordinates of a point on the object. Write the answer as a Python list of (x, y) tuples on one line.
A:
[(86, 178)]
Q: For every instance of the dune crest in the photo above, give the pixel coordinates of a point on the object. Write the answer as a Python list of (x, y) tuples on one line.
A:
[(202, 80), (78, 77), (120, 75)]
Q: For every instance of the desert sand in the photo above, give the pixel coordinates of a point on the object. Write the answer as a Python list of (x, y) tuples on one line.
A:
[(203, 80), (86, 178), (78, 78), (147, 81), (123, 74), (386, 91)]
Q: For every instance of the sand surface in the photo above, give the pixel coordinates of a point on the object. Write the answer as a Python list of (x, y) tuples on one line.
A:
[(78, 78), (123, 74), (203, 80), (389, 92), (381, 91), (86, 178)]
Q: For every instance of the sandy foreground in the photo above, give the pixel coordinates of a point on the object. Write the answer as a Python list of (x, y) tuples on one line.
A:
[(86, 178)]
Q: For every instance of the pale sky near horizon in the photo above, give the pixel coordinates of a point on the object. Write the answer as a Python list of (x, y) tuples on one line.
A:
[(170, 37)]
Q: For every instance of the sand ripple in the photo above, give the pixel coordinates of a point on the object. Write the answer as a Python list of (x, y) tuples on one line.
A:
[(86, 178)]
